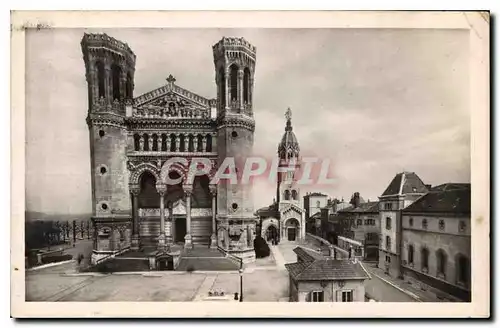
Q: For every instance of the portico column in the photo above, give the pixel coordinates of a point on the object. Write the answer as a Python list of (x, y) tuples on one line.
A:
[(162, 189), (213, 237), (134, 192), (188, 190)]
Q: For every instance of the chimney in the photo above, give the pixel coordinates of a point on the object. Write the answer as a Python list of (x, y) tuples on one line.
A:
[(355, 200), (428, 186)]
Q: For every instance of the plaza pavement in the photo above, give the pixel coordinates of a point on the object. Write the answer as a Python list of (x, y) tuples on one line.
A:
[(266, 280)]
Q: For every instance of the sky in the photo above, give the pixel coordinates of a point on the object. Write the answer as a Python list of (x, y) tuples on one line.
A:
[(374, 102)]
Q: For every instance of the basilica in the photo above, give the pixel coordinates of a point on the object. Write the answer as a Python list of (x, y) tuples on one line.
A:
[(132, 136)]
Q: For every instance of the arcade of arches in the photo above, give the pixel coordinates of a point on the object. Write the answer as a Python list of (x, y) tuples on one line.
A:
[(184, 214)]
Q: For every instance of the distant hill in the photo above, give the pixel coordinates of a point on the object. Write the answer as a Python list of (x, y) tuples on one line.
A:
[(33, 216)]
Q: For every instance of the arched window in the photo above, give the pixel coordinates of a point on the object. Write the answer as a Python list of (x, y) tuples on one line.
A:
[(222, 86), (246, 85), (294, 194), (199, 147), (318, 204), (155, 142), (441, 224), (116, 71), (287, 194), (182, 146), (425, 259), (100, 78), (136, 141), (411, 252), (209, 143), (463, 270), (128, 88), (388, 223), (388, 243), (146, 141), (441, 262), (163, 142), (191, 143), (233, 76), (173, 143), (424, 224)]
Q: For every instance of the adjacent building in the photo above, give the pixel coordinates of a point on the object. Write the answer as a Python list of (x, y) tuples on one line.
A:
[(404, 189), (318, 278), (436, 240), (363, 222)]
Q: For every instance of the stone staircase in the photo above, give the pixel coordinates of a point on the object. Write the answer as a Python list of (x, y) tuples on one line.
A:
[(203, 258)]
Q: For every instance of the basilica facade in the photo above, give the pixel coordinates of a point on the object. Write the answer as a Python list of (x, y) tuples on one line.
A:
[(132, 137)]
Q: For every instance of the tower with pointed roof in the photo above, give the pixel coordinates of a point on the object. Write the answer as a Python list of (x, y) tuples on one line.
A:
[(404, 189), (287, 190)]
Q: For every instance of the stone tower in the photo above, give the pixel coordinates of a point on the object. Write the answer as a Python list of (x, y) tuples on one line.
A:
[(234, 60), (288, 154), (109, 66)]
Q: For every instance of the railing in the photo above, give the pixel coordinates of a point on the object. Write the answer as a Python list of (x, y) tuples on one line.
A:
[(112, 255)]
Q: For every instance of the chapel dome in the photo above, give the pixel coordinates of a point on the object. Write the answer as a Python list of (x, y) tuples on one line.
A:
[(289, 146)]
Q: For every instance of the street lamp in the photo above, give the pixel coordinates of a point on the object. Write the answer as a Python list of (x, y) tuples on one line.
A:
[(241, 282)]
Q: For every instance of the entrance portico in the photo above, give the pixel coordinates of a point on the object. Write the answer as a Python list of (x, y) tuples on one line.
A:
[(190, 209)]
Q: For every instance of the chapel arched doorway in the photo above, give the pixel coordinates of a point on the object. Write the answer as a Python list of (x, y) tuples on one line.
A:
[(292, 229)]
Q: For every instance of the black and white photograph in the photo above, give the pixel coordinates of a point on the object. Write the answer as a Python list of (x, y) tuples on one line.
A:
[(260, 164)]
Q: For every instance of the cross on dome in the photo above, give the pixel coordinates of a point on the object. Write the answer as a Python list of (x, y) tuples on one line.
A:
[(288, 114)]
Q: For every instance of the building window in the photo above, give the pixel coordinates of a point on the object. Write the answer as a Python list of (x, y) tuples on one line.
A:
[(359, 222), (100, 79), (388, 206), (318, 204), (461, 226), (347, 296), (317, 296), (424, 224), (411, 252), (222, 91), (425, 260), (116, 71), (388, 243), (388, 259), (462, 270), (233, 80), (287, 195), (294, 194), (388, 223), (129, 87), (441, 263), (441, 224), (246, 85), (410, 222)]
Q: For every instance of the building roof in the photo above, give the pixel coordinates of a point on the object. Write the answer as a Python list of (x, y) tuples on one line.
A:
[(368, 207), (449, 198), (307, 254), (324, 268), (267, 211), (315, 194), (405, 183)]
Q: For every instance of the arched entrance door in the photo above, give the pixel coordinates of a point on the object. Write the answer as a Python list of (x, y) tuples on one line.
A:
[(271, 233), (292, 229)]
